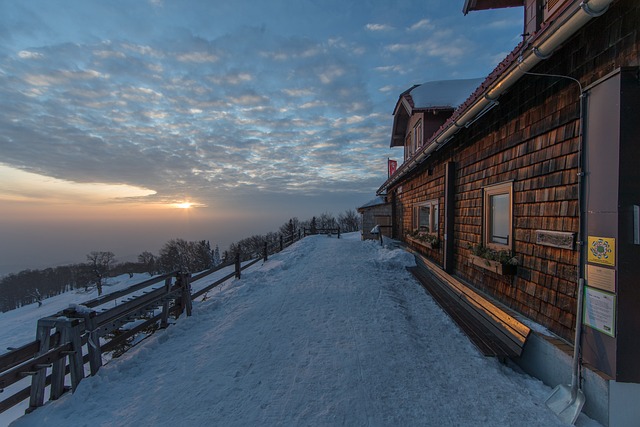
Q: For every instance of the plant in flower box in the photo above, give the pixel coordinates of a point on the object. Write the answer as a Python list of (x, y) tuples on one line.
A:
[(501, 262), (424, 238)]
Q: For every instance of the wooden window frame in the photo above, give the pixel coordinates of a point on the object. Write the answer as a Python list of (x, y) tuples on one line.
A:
[(434, 213), (488, 192), (417, 138), (407, 147)]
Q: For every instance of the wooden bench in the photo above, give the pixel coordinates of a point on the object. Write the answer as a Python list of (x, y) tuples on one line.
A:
[(490, 326)]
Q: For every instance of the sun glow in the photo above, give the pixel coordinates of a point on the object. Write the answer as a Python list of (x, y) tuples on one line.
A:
[(183, 205)]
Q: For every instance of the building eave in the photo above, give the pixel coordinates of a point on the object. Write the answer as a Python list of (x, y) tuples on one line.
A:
[(522, 59)]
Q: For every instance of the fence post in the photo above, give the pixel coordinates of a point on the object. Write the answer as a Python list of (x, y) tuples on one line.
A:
[(164, 321), (178, 308), (93, 337), (265, 251), (238, 273), (69, 333), (38, 381), (185, 279), (281, 246), (76, 363)]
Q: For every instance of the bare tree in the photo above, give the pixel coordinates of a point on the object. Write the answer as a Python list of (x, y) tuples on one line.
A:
[(149, 261), (327, 220), (100, 263), (179, 254), (349, 221)]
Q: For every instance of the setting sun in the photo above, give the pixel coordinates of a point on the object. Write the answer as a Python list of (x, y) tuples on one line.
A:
[(184, 205)]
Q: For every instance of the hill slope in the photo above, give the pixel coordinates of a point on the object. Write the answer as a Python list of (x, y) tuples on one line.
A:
[(328, 332)]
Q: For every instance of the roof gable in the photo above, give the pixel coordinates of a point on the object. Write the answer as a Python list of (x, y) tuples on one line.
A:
[(443, 96)]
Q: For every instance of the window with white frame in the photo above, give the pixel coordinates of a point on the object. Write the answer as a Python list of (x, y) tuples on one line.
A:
[(425, 216), (498, 216)]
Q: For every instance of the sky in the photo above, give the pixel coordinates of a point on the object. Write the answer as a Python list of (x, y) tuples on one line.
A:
[(115, 116)]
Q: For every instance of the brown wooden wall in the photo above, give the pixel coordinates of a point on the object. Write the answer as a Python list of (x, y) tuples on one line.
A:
[(368, 220), (532, 138)]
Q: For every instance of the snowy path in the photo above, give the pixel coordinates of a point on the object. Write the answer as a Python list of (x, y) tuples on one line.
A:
[(328, 332)]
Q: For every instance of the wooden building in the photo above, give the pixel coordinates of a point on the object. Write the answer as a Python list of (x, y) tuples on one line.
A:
[(531, 184), (376, 213)]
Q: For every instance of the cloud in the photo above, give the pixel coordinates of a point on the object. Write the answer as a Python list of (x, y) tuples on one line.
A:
[(18, 185), (378, 27), (25, 54), (202, 108), (423, 24), (197, 57)]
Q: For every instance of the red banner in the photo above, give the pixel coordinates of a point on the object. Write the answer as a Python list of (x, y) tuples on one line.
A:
[(393, 165)]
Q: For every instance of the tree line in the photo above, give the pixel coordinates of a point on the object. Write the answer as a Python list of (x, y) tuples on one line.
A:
[(31, 286)]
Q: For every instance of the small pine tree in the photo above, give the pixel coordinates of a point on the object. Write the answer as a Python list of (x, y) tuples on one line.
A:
[(216, 256)]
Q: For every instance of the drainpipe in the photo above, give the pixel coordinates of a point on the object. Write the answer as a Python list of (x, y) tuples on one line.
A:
[(587, 10), (541, 51)]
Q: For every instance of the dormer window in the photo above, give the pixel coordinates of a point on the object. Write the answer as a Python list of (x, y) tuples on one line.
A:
[(417, 138)]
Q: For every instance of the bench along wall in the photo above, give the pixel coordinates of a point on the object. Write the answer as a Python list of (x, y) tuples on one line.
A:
[(529, 142)]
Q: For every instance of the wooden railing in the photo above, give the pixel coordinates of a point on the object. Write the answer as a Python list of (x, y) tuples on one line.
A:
[(329, 231), (79, 335)]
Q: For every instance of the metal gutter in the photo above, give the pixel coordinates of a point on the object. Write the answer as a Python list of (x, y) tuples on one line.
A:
[(559, 32)]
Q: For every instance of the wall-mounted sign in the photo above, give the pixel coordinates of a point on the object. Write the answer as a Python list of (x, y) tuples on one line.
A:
[(601, 250), (601, 278), (556, 239), (600, 311)]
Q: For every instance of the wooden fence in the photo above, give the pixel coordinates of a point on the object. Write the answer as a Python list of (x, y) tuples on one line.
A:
[(329, 231), (79, 335)]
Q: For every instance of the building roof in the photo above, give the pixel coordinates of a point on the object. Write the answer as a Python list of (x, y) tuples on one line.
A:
[(524, 57), (442, 94), (380, 200), (470, 5)]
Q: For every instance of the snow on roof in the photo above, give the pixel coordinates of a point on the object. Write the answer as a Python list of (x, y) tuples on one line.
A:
[(443, 93), (375, 202)]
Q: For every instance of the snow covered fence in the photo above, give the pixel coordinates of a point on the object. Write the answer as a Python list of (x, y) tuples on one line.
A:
[(80, 334), (329, 231), (64, 334)]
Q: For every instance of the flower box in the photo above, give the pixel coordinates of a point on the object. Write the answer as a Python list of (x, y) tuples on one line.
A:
[(422, 243), (494, 266)]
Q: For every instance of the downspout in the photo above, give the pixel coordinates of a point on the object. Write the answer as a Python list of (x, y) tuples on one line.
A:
[(583, 14)]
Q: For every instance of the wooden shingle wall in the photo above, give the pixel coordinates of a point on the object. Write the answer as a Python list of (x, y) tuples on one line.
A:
[(369, 215), (532, 139)]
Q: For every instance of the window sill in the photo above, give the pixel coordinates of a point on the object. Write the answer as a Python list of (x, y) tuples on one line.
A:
[(494, 266), (422, 243)]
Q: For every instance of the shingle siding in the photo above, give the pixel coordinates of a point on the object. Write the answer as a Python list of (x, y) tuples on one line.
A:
[(531, 138)]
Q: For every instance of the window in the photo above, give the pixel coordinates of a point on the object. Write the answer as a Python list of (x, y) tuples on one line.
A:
[(497, 219), (425, 216), (408, 148), (417, 136), (413, 141)]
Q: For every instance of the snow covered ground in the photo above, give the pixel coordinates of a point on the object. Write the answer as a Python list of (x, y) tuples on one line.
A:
[(328, 332)]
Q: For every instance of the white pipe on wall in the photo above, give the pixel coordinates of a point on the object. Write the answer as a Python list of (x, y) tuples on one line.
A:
[(582, 14)]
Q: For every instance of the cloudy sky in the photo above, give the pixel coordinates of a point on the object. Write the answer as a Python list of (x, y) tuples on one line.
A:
[(114, 113)]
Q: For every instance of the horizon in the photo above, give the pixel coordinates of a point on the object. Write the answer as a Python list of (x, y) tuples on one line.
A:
[(117, 115)]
